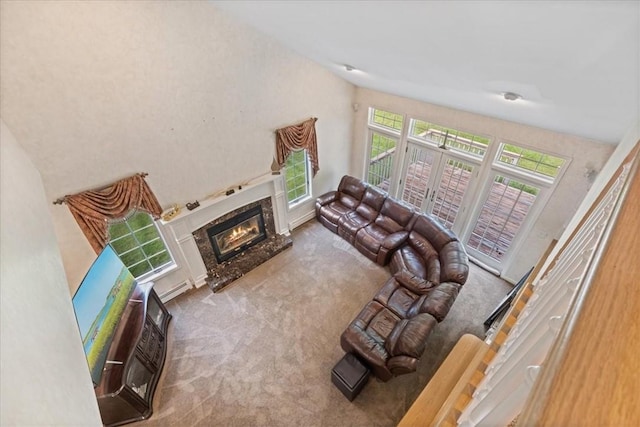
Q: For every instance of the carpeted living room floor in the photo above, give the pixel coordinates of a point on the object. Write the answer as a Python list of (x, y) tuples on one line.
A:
[(260, 352)]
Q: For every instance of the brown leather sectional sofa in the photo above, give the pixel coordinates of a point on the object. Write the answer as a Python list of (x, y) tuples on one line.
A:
[(428, 265)]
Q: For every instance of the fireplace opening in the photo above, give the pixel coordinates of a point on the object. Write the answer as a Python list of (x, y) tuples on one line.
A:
[(237, 233)]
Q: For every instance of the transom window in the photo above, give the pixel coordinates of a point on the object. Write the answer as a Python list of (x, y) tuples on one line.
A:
[(386, 119), (297, 178), (444, 137), (529, 161), (139, 245)]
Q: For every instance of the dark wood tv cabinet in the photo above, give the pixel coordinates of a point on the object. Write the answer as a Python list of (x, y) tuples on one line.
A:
[(135, 359)]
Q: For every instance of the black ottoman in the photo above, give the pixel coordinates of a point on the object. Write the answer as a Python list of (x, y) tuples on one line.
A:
[(350, 375)]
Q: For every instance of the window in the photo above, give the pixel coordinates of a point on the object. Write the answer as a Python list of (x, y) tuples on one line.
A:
[(386, 119), (488, 192), (297, 178), (474, 145), (139, 245), (529, 161), (385, 128)]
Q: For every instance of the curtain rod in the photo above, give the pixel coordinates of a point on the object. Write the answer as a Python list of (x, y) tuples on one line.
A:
[(61, 200)]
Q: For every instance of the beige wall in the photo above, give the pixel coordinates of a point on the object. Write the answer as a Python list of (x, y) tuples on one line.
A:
[(96, 91), (563, 202), (622, 150), (44, 375)]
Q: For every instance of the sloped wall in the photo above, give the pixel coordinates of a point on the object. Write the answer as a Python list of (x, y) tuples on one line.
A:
[(45, 379), (96, 91)]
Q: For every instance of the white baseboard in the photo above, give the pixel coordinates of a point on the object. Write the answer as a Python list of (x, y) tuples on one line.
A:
[(180, 289), (302, 219)]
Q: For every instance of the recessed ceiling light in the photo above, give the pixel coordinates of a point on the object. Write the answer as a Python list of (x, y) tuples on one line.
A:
[(511, 96), (349, 67)]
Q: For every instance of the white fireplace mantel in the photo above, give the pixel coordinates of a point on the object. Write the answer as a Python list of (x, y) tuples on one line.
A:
[(182, 225)]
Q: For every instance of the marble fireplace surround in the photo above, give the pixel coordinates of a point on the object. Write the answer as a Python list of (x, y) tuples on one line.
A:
[(188, 229)]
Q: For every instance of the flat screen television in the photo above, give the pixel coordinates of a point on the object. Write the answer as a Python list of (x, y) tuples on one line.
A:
[(99, 303)]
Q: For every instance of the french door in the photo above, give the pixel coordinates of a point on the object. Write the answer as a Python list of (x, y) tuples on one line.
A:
[(436, 182), (506, 204)]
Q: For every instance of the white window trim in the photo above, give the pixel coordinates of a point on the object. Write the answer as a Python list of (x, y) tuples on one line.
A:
[(157, 272), (487, 166)]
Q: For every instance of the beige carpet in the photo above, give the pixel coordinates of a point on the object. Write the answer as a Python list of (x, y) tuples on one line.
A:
[(260, 352)]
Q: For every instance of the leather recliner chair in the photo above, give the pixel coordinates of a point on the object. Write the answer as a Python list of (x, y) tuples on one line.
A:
[(366, 213), (389, 344), (330, 207), (378, 240)]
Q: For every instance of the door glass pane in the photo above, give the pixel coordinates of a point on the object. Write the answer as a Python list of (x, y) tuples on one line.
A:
[(502, 215), (453, 184), (417, 174), (383, 150)]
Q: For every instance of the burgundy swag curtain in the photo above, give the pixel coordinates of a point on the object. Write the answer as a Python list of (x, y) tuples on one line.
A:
[(296, 138), (92, 209)]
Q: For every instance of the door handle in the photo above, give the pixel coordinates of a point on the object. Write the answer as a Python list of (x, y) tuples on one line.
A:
[(426, 196), (433, 193)]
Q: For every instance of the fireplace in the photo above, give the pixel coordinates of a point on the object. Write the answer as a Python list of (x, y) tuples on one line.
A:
[(238, 241), (237, 234)]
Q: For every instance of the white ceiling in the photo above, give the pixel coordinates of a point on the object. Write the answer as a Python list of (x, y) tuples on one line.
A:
[(576, 63)]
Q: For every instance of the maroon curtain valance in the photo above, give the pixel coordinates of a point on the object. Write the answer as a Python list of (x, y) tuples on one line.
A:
[(295, 138), (94, 208)]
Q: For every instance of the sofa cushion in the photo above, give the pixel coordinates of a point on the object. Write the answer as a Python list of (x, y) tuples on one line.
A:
[(351, 190), (415, 284), (394, 216), (334, 211), (396, 297), (371, 203), (408, 259), (409, 336), (437, 302)]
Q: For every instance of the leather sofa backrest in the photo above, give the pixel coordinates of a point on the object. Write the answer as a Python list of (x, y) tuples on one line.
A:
[(409, 336), (429, 261), (430, 228), (394, 216), (351, 191), (454, 263), (371, 203)]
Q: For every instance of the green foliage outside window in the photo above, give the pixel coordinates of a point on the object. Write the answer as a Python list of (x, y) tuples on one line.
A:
[(451, 138), (296, 176), (387, 119), (139, 245), (530, 160)]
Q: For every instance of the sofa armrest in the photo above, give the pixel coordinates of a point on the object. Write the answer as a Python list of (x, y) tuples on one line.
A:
[(326, 198), (414, 283), (389, 245), (400, 365), (438, 301), (394, 240)]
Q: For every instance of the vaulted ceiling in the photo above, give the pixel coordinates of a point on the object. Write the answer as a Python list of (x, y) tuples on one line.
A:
[(576, 64)]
